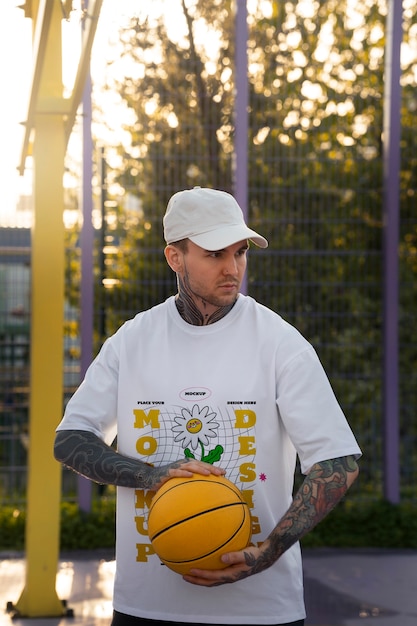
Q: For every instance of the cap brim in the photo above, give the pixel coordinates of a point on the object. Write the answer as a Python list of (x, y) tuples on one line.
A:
[(223, 237)]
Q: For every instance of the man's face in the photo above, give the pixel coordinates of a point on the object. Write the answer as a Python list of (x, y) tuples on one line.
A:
[(213, 277)]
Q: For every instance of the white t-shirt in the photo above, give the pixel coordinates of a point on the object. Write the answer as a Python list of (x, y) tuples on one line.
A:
[(261, 397)]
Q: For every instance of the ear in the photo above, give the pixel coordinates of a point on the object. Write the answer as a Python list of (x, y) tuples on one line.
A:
[(174, 258)]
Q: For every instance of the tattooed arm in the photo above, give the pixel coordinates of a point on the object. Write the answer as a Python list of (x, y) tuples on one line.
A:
[(322, 489), (89, 456)]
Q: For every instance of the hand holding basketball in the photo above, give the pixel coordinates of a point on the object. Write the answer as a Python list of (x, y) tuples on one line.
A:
[(237, 566), (185, 468)]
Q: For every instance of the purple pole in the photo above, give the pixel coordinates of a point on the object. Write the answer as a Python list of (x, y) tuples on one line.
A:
[(240, 181), (87, 286), (391, 147)]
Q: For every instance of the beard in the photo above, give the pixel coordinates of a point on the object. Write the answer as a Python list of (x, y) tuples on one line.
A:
[(193, 299)]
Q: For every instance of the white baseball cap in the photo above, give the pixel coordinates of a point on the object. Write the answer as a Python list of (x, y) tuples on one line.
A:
[(210, 218)]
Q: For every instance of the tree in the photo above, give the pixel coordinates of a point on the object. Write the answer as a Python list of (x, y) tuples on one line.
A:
[(316, 80)]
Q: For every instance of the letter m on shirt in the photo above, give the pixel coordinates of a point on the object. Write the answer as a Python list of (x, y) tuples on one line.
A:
[(142, 419)]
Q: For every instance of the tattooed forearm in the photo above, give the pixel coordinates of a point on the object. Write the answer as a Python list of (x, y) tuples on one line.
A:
[(89, 456), (322, 489)]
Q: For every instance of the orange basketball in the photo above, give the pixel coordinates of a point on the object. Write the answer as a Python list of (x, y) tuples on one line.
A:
[(193, 521)]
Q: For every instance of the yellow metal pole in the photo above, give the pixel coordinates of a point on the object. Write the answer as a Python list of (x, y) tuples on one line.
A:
[(39, 597)]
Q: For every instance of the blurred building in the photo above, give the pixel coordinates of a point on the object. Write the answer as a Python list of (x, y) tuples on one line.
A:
[(14, 358)]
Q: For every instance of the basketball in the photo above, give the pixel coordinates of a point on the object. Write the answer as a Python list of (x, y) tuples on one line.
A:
[(193, 521)]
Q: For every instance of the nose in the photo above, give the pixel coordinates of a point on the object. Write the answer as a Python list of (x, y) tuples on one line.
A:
[(230, 267)]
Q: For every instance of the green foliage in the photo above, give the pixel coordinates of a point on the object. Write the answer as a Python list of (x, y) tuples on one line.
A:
[(79, 530), (12, 528), (376, 524), (87, 531), (351, 524)]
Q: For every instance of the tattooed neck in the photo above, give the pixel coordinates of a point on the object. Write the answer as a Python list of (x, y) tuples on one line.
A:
[(190, 312)]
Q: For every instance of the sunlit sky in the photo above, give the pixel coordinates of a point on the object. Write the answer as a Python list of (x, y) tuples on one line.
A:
[(15, 73), (15, 48), (16, 64), (16, 44)]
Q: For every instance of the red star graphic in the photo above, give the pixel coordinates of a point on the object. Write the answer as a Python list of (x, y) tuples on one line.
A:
[(262, 477)]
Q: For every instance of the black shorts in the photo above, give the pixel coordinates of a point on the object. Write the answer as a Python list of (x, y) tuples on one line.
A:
[(120, 619)]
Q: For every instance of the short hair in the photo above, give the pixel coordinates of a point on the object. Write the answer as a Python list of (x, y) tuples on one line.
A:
[(182, 245)]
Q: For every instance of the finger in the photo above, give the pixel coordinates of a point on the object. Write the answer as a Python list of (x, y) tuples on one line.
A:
[(211, 578), (188, 471), (234, 558), (207, 578), (201, 582), (180, 472), (198, 467)]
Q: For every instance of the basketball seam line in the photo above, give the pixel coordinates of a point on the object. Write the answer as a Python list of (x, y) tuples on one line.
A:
[(186, 519), (198, 558)]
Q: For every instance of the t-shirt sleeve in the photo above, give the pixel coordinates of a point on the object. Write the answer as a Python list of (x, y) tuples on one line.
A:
[(311, 413), (93, 407)]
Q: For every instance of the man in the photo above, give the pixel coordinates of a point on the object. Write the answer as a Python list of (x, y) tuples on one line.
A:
[(211, 382)]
